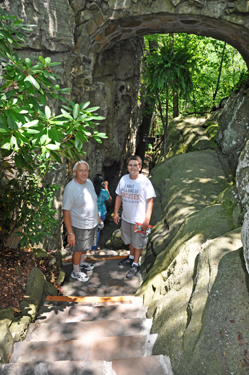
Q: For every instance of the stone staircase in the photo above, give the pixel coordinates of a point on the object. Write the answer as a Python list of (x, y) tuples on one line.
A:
[(88, 339), (90, 335)]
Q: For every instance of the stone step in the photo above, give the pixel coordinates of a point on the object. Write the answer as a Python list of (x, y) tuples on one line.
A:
[(66, 312), (94, 349), (58, 368), (151, 365), (88, 329)]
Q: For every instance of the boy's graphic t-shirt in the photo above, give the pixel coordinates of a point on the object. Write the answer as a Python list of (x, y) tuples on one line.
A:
[(134, 195)]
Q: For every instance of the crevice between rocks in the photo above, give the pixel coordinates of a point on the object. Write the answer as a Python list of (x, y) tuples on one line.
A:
[(195, 279)]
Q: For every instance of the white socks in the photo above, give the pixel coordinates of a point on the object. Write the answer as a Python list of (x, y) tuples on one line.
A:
[(76, 268)]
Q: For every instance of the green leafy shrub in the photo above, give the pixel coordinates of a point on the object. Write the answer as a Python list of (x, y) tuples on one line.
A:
[(31, 136)]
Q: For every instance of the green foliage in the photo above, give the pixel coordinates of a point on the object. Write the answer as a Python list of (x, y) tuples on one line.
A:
[(204, 62), (243, 80), (31, 136), (168, 70), (27, 205)]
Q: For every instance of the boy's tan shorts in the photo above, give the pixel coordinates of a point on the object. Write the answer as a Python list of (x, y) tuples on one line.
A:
[(138, 240)]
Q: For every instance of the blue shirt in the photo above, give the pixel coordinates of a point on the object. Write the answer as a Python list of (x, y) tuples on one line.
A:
[(103, 196)]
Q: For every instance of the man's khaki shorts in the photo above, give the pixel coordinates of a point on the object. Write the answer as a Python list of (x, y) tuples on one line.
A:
[(84, 239)]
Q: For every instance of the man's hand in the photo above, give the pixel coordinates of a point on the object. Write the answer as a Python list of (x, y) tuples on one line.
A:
[(71, 239)]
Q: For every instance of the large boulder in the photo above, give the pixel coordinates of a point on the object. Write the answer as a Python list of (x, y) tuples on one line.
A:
[(188, 264), (233, 127)]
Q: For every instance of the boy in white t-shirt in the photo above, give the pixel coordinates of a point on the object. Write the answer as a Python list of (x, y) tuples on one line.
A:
[(136, 193)]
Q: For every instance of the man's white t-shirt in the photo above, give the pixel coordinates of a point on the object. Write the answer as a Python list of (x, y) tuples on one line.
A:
[(81, 201), (134, 194)]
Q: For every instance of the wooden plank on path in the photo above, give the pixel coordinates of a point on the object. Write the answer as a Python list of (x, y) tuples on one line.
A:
[(92, 299), (102, 258)]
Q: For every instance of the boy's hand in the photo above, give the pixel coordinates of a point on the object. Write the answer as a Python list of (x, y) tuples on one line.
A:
[(116, 218), (145, 224)]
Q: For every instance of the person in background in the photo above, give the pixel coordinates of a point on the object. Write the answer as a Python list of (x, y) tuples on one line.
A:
[(80, 214), (103, 194), (136, 193)]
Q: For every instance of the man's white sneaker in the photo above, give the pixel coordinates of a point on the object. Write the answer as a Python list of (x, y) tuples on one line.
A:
[(86, 266), (80, 276)]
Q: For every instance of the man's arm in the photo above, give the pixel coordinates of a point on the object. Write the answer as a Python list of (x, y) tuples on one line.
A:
[(118, 202), (68, 225), (149, 209)]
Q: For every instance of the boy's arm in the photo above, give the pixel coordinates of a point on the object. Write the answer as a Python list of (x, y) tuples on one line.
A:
[(149, 209), (118, 202)]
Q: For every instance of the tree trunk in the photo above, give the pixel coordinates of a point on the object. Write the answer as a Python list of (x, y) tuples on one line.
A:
[(164, 122), (218, 80), (145, 128), (175, 105)]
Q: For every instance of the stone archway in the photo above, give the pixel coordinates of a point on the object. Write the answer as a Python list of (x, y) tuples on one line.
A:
[(101, 26)]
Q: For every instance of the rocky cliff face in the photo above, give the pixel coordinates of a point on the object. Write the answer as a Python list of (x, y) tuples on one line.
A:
[(195, 280)]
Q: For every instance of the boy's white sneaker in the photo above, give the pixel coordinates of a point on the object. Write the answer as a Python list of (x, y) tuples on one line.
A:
[(86, 266)]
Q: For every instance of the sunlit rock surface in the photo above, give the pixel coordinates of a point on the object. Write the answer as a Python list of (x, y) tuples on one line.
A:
[(195, 279)]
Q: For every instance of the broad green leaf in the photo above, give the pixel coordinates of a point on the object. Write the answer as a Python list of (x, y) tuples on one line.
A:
[(53, 146), (48, 60), (3, 47), (43, 99), (55, 156), (5, 144), (55, 135), (65, 90), (23, 241), (98, 118), (11, 122), (97, 139), (32, 131), (43, 139), (78, 143), (93, 109), (66, 114), (30, 124), (76, 111), (28, 62), (4, 129), (41, 59), (19, 161), (55, 63), (102, 135), (47, 112), (12, 141), (33, 81), (82, 136), (84, 105)]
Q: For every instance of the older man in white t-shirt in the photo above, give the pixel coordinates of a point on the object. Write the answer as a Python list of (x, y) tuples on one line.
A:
[(136, 193), (81, 218)]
